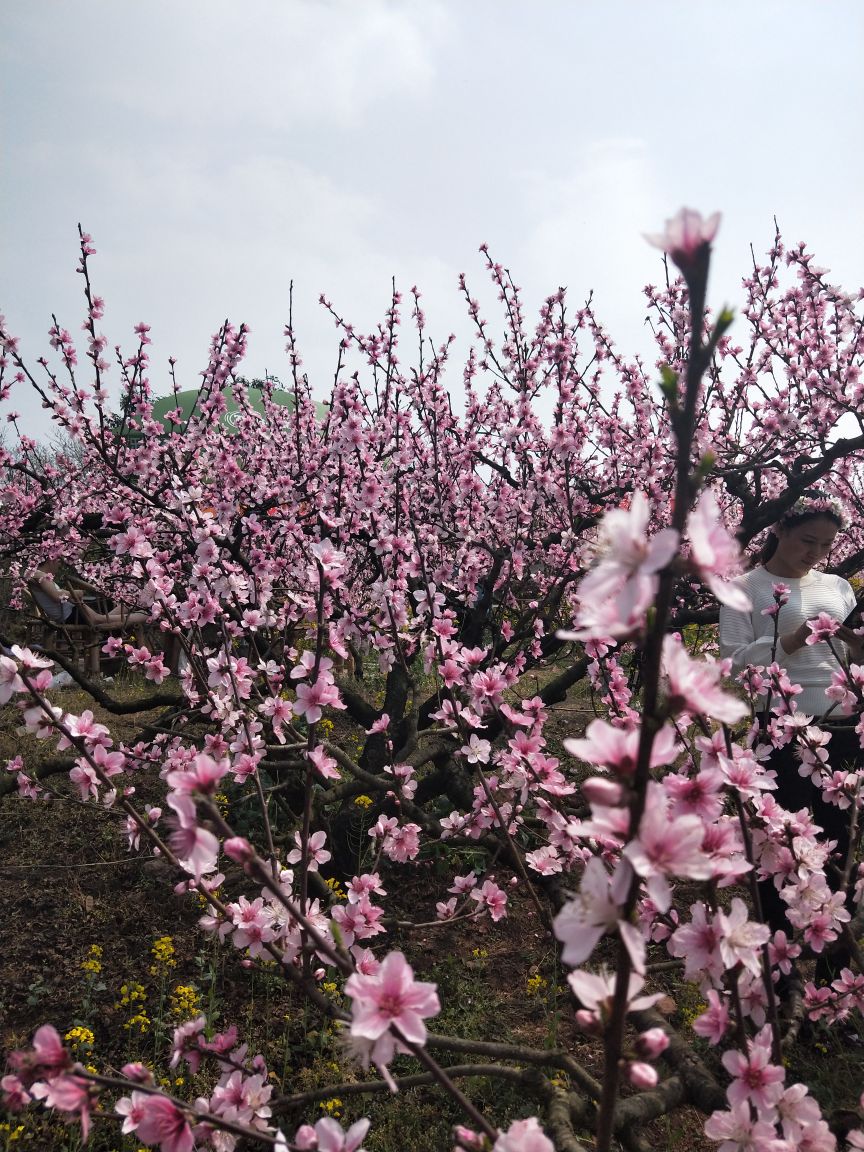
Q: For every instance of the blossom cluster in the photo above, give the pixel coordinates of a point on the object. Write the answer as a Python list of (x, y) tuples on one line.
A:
[(477, 564)]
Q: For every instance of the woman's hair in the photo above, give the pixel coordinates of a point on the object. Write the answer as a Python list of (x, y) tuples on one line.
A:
[(810, 506)]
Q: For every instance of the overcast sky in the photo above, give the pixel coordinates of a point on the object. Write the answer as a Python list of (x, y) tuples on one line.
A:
[(218, 149)]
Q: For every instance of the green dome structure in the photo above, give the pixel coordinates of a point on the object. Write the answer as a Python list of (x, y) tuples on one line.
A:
[(187, 403)]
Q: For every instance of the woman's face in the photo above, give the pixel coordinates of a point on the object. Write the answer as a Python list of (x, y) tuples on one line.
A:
[(803, 546)]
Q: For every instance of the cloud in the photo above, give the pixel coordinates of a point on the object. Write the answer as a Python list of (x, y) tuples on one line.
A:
[(586, 228), (223, 67)]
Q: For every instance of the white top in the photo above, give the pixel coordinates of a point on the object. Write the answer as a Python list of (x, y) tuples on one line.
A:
[(748, 637)]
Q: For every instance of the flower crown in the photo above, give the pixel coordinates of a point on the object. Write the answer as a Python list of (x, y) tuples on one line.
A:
[(811, 504)]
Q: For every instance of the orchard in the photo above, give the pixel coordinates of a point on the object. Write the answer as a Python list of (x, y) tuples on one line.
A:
[(341, 748)]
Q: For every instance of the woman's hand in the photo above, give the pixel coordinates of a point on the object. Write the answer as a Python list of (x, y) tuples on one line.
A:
[(852, 640), (792, 641)]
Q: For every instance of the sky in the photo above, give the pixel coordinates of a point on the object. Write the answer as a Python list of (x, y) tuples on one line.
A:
[(216, 150)]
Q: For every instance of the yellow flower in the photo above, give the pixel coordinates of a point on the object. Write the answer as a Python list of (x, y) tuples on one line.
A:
[(336, 888), (163, 955), (330, 987), (139, 1021), (479, 953), (536, 984), (332, 1107), (131, 994), (184, 1001), (363, 801), (80, 1037), (93, 963)]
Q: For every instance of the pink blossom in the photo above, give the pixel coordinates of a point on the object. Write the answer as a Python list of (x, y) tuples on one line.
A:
[(312, 699), (592, 912), (323, 763), (48, 1051), (755, 1079), (492, 897), (391, 996), (238, 849), (693, 685), (253, 925), (10, 682), (741, 938), (625, 549), (822, 628), (365, 885), (316, 853), (131, 1108), (714, 1023), (365, 960), (185, 1045), (685, 235), (400, 842), (739, 1132), (30, 662), (66, 1094), (358, 920), (595, 990), (544, 860), (307, 664), (666, 846), (327, 555), (196, 848), (476, 751), (783, 952), (599, 790), (161, 1122), (15, 1095), (524, 1136), (280, 712), (332, 1138), (698, 943), (201, 776), (445, 909), (618, 748), (615, 594), (715, 552), (85, 779), (802, 1123)]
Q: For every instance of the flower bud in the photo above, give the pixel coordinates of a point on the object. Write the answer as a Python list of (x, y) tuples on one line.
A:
[(238, 849), (651, 1043), (467, 1138), (140, 1073), (641, 1075), (305, 1137), (603, 791)]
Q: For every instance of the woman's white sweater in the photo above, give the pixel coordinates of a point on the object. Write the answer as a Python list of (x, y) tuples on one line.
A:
[(748, 637)]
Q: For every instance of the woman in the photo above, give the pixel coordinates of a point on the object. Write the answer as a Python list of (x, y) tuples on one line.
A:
[(68, 608), (64, 607), (802, 539)]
